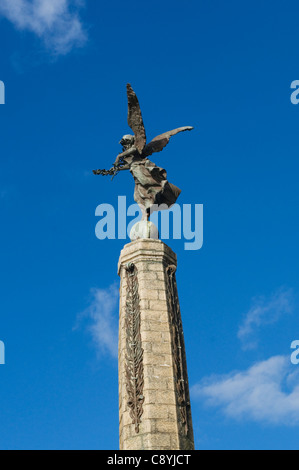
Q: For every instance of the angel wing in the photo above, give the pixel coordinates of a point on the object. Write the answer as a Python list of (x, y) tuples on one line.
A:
[(135, 120), (159, 142)]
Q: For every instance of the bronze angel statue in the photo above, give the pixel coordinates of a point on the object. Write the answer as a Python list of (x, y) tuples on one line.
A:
[(151, 186)]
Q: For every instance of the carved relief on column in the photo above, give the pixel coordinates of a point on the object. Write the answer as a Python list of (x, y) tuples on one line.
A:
[(134, 351), (178, 350)]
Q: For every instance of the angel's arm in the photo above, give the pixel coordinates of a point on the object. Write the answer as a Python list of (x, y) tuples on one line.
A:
[(124, 154), (124, 167)]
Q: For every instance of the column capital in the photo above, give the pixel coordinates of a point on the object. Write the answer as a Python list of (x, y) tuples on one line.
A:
[(148, 249)]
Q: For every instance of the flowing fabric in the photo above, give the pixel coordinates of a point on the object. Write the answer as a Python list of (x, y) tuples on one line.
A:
[(151, 185)]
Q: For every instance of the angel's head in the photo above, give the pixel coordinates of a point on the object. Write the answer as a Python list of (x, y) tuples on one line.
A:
[(127, 141)]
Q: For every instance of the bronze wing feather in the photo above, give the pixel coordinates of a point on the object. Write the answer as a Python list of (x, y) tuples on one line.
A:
[(135, 120), (159, 142)]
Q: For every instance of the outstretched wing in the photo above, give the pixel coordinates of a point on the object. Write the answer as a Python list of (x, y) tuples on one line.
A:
[(159, 142), (135, 119)]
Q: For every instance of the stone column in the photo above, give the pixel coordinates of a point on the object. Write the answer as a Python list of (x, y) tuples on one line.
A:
[(154, 401)]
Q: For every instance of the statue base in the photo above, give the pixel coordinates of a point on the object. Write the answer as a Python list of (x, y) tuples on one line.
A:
[(144, 229)]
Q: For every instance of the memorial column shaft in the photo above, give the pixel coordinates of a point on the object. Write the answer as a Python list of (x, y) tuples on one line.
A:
[(154, 402)]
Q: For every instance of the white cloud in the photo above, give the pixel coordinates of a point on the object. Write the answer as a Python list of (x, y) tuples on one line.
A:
[(56, 22), (264, 311), (266, 392), (102, 321)]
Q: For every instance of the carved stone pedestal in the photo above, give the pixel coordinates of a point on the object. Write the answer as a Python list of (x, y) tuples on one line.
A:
[(154, 402)]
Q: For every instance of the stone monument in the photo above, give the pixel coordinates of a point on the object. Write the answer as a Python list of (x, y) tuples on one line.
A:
[(154, 401)]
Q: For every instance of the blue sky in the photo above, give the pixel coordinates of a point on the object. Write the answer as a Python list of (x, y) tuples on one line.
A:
[(223, 67)]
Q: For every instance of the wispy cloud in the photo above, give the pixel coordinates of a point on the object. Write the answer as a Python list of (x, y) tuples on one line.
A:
[(264, 311), (101, 321), (55, 22), (267, 392)]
